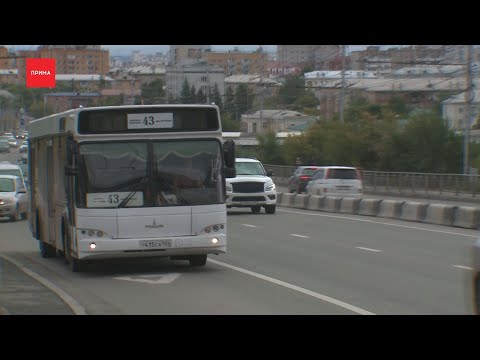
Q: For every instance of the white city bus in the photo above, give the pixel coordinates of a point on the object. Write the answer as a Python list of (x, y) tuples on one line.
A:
[(130, 181)]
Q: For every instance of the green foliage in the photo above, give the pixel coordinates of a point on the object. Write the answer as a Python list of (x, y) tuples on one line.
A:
[(398, 106), (228, 123), (293, 89), (241, 98), (185, 92), (308, 100), (268, 150), (201, 97), (229, 105), (153, 92), (216, 96)]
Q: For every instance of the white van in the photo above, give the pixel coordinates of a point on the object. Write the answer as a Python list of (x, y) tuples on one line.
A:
[(341, 181)]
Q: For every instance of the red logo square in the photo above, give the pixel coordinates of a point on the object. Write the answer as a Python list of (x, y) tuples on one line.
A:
[(40, 73)]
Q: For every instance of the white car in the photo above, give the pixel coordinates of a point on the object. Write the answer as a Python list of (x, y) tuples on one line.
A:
[(23, 150), (13, 197), (12, 141), (341, 181), (252, 187)]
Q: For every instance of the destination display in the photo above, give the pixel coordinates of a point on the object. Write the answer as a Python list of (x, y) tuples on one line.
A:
[(147, 119)]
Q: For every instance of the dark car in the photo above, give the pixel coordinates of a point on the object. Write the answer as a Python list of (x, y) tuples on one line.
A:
[(298, 181)]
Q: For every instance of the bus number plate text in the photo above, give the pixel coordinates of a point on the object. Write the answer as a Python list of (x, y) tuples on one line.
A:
[(156, 244)]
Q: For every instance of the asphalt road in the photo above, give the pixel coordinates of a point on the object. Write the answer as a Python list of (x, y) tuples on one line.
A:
[(293, 262)]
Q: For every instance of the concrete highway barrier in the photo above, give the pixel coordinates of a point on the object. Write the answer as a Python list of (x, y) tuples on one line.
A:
[(439, 214)]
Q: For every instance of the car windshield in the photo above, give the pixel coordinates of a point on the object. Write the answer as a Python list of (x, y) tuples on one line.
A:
[(7, 185), (249, 168)]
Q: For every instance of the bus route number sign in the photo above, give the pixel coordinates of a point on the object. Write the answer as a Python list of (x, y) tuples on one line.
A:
[(150, 120)]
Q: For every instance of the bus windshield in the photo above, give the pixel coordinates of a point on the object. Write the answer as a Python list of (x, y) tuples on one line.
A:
[(149, 173)]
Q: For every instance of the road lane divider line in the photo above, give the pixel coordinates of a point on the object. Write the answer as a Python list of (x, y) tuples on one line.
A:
[(248, 225), (295, 287), (301, 236), (462, 267), (378, 222), (66, 298), (368, 249)]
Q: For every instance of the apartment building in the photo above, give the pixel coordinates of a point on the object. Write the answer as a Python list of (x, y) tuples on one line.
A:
[(187, 54), (70, 59), (201, 75), (320, 57), (239, 63)]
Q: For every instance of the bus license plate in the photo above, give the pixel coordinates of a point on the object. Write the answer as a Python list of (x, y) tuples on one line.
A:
[(155, 244)]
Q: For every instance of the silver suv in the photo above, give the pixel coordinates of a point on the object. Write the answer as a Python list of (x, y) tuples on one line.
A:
[(252, 187)]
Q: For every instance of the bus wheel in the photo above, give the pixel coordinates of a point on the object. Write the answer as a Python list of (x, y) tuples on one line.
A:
[(198, 260), (46, 250)]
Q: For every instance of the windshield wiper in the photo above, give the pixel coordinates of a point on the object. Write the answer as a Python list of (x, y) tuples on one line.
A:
[(130, 195)]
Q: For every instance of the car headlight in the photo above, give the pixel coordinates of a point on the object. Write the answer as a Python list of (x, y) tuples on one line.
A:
[(270, 187), (229, 188), (6, 201)]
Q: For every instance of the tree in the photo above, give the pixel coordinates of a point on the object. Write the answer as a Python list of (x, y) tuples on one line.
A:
[(268, 150), (241, 99), (229, 105), (228, 123), (293, 89), (201, 97), (185, 92), (216, 97), (153, 92), (307, 101), (193, 95)]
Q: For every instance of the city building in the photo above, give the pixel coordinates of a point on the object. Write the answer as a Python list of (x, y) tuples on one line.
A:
[(201, 75), (455, 111), (278, 121), (238, 62)]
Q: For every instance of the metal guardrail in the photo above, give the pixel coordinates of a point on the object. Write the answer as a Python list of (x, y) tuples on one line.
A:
[(404, 183)]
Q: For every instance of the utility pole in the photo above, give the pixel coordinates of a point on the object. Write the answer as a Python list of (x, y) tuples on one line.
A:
[(262, 88), (469, 95), (342, 94)]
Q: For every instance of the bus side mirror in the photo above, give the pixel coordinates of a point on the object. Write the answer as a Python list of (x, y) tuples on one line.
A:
[(229, 153), (71, 171), (230, 172)]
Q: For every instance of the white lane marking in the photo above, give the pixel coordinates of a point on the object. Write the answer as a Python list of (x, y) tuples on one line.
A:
[(296, 288), (463, 267), (379, 222), (158, 279), (368, 249), (70, 301), (301, 236), (248, 225)]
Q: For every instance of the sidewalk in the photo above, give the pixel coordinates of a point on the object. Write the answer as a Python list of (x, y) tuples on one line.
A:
[(20, 294)]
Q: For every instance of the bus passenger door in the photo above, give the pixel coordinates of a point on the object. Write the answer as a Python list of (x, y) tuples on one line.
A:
[(50, 194)]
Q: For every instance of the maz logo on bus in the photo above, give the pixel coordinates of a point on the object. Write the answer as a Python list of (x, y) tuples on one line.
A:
[(154, 225)]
